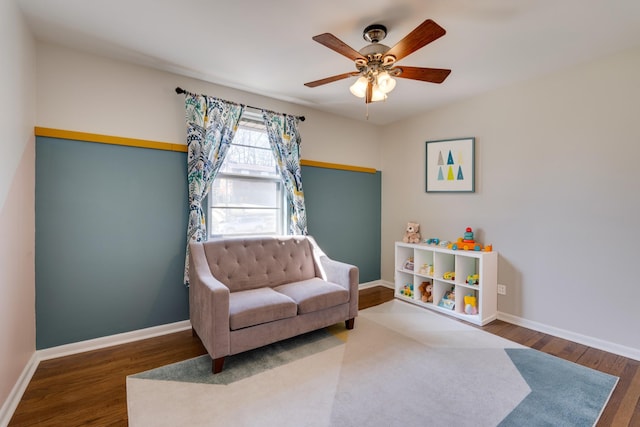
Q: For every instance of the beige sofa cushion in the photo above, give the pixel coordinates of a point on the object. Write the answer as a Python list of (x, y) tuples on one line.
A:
[(314, 294), (255, 306)]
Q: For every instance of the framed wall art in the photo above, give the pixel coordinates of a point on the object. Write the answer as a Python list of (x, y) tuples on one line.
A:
[(450, 166)]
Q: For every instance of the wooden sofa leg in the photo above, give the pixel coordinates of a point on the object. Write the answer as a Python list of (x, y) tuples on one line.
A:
[(350, 323), (217, 364)]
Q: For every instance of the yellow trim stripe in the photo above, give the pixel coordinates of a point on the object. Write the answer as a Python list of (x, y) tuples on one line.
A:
[(143, 143), (108, 139), (325, 165)]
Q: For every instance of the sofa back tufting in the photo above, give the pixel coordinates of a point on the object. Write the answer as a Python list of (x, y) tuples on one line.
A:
[(251, 262)]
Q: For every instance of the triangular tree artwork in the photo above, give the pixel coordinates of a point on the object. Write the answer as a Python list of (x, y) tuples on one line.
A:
[(450, 165)]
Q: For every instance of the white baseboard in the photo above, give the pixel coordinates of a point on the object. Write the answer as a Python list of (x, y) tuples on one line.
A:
[(375, 283), (629, 352), (10, 405), (111, 340)]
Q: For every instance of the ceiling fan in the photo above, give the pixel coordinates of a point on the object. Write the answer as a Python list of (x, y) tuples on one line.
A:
[(376, 63)]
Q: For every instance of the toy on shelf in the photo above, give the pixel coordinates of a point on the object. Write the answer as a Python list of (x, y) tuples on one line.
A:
[(470, 305), (408, 264), (426, 289), (449, 275), (473, 279), (412, 233), (467, 243), (432, 241), (448, 301), (426, 270), (468, 236), (407, 291)]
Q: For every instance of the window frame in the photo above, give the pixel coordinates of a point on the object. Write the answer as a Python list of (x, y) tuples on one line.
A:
[(252, 121)]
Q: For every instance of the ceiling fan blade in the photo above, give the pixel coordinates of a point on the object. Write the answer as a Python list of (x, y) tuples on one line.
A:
[(433, 75), (424, 34), (369, 93), (331, 79), (334, 43)]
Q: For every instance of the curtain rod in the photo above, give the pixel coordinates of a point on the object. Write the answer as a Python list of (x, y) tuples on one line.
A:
[(180, 91)]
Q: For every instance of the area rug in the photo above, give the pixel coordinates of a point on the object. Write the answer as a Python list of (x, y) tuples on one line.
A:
[(401, 366)]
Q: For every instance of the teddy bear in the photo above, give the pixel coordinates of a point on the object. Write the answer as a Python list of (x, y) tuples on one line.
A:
[(412, 233), (426, 289)]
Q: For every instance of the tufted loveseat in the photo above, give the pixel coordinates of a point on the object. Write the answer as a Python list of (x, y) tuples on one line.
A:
[(245, 293)]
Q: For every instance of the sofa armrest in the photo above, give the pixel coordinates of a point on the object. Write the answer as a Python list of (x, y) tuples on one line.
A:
[(345, 275), (208, 304)]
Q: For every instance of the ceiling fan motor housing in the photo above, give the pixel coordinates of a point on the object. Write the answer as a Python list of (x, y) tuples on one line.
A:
[(374, 33)]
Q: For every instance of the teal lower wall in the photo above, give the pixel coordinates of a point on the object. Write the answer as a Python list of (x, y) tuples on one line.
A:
[(110, 235), (110, 240), (344, 216)]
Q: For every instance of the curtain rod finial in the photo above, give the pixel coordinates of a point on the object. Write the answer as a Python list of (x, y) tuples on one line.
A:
[(179, 90)]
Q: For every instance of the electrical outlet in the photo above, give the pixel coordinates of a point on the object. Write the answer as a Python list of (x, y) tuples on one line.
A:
[(502, 289)]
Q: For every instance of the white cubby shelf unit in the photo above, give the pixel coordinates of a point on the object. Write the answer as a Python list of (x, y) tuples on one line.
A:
[(443, 260)]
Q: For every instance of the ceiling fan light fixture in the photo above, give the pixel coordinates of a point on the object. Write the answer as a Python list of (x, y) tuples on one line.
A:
[(385, 82), (359, 88), (377, 94)]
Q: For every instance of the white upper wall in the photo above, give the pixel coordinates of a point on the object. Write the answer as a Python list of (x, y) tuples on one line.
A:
[(557, 195), (17, 195), (86, 93), (16, 74)]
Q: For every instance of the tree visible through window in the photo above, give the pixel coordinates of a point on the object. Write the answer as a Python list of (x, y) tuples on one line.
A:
[(247, 196)]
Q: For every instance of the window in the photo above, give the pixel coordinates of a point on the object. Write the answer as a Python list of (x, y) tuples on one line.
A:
[(247, 196)]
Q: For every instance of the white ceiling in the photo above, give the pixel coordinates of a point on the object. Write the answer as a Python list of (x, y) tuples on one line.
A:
[(265, 47)]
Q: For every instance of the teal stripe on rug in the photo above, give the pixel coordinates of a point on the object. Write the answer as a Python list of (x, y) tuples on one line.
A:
[(247, 364), (562, 393)]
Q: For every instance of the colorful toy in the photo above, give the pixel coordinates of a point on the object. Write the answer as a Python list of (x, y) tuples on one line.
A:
[(407, 291), (473, 279), (426, 270), (470, 306), (467, 243), (408, 264), (426, 289), (449, 275), (432, 241), (412, 233), (448, 300)]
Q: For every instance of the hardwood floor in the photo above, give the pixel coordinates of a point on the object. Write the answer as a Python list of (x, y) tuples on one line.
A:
[(89, 389)]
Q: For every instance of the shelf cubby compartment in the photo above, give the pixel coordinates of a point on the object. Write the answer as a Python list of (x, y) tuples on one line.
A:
[(443, 263), (418, 280), (423, 261), (465, 267), (404, 278), (464, 292), (403, 254), (440, 288)]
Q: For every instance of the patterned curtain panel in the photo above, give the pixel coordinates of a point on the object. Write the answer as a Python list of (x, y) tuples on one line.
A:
[(211, 125), (285, 144)]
